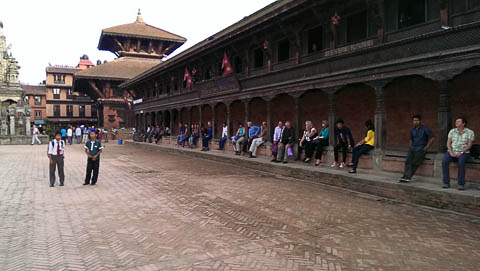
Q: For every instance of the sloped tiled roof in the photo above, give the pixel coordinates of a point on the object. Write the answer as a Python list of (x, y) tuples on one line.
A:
[(142, 30), (123, 68), (39, 90), (61, 69)]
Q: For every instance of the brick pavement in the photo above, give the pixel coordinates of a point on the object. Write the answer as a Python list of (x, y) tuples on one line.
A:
[(157, 211)]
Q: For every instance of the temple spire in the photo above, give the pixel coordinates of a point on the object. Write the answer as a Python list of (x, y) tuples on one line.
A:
[(139, 17)]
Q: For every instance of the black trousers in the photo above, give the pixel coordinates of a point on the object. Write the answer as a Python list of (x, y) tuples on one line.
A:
[(246, 145), (414, 160), (343, 146), (319, 148), (92, 165), (57, 163)]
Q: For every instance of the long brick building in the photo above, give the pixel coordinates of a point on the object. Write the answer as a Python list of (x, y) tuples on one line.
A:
[(299, 60)]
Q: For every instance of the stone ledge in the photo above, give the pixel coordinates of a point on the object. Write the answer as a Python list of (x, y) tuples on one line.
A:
[(21, 140), (384, 185)]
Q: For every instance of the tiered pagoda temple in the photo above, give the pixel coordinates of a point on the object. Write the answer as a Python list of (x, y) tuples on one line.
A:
[(139, 47)]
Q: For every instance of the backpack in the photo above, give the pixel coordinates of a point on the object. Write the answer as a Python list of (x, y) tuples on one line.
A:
[(475, 151)]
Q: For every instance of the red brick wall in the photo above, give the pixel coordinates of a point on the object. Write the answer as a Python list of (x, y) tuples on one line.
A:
[(237, 112), (314, 107), (207, 114), (466, 100), (258, 111), (283, 107), (220, 118), (406, 97), (195, 115), (185, 115), (159, 118), (166, 118), (355, 105)]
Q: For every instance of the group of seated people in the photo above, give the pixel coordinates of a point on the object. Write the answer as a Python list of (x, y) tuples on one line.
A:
[(312, 142), (190, 134), (155, 133)]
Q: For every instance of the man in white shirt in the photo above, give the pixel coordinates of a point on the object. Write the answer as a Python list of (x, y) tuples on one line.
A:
[(223, 139), (78, 134), (35, 134), (55, 152), (277, 137), (70, 135)]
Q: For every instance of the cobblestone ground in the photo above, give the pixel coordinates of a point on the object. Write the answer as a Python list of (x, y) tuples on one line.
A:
[(153, 211)]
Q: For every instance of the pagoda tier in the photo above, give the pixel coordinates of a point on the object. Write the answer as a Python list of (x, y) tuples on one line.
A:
[(139, 39)]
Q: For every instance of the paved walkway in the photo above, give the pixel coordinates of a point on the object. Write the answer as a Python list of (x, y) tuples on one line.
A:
[(154, 211)]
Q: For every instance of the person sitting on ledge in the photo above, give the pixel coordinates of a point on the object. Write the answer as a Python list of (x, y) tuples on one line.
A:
[(258, 141), (238, 138), (363, 146), (185, 135), (459, 142), (194, 136), (181, 132), (253, 132), (224, 137), (286, 145), (206, 136), (421, 138), (307, 142), (320, 142), (277, 137), (343, 141)]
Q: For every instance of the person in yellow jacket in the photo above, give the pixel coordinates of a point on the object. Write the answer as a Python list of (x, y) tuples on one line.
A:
[(363, 146)]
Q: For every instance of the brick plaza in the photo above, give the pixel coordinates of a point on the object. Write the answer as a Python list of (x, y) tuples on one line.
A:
[(158, 211)]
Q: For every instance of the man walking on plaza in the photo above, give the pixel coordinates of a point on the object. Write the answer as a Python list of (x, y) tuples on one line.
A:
[(78, 134), (421, 138), (55, 155), (70, 135), (35, 134), (85, 134), (459, 143), (93, 149)]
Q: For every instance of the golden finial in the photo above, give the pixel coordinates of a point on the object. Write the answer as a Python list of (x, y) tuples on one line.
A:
[(139, 17)]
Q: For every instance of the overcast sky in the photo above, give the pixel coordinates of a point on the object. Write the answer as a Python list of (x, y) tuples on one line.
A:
[(59, 32)]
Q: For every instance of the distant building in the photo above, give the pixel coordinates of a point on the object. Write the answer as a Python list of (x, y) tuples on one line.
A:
[(36, 97), (63, 105)]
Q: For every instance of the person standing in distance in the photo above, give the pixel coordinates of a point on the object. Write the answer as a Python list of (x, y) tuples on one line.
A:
[(93, 149)]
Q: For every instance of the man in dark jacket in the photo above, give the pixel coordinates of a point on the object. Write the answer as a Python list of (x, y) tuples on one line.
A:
[(287, 142), (343, 141)]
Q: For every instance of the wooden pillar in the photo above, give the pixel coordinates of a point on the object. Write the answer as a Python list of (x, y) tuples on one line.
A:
[(172, 125), (247, 115), (200, 115), (213, 121), (444, 114), (269, 119), (380, 123), (229, 121), (297, 117), (332, 118), (444, 12), (190, 115)]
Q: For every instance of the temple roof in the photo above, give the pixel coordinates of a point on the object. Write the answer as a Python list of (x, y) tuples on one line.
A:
[(122, 68), (139, 29)]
